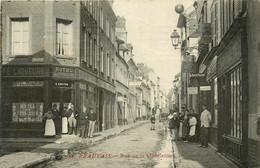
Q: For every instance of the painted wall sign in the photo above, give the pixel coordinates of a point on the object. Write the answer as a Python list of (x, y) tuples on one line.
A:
[(24, 71), (28, 84), (64, 72)]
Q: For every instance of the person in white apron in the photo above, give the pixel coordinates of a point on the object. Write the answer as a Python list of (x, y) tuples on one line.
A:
[(64, 121), (49, 124)]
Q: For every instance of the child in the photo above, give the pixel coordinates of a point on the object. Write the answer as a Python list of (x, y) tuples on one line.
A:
[(152, 122)]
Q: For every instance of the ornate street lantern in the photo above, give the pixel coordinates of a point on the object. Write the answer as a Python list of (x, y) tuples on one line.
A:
[(175, 38)]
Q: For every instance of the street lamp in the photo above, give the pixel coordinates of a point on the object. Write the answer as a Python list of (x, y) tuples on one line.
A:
[(175, 37)]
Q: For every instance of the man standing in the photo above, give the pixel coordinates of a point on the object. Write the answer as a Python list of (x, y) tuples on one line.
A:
[(83, 122), (92, 120), (71, 115), (205, 119), (57, 119)]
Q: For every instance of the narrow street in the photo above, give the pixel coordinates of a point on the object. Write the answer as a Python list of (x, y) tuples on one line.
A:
[(139, 147)]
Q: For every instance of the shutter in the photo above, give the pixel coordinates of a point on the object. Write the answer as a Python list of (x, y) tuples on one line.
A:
[(238, 7)]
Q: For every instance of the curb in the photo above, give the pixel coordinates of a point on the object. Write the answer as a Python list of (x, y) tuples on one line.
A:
[(42, 162), (176, 156)]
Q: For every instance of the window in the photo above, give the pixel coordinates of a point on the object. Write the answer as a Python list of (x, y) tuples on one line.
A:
[(85, 47), (214, 25), (95, 53), (91, 51), (107, 28), (20, 35), (64, 37), (236, 103), (101, 18), (101, 59), (108, 65)]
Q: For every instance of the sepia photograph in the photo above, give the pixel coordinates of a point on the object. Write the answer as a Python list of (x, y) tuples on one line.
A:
[(130, 83)]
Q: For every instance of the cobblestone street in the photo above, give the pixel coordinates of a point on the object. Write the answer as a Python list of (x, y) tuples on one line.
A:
[(139, 147)]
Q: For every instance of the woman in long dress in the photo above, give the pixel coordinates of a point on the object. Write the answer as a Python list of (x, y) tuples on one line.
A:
[(64, 121), (49, 125)]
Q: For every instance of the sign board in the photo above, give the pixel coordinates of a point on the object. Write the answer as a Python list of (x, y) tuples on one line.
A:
[(62, 84), (193, 90), (197, 75), (205, 88)]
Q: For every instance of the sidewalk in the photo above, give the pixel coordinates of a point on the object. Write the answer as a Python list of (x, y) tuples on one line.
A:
[(40, 156), (190, 155)]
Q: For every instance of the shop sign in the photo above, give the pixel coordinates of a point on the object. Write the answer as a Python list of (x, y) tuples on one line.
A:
[(197, 75), (192, 90), (24, 71), (62, 84), (28, 84), (205, 88)]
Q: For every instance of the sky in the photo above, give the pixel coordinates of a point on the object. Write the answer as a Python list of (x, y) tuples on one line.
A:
[(149, 24)]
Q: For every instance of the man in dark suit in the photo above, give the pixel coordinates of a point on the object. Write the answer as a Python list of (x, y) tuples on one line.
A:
[(57, 119)]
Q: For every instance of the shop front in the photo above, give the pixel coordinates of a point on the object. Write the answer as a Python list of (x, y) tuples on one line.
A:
[(24, 100), (29, 91), (232, 95)]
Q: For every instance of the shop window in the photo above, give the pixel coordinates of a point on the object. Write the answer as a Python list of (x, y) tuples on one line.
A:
[(27, 104), (236, 103), (64, 37), (215, 109), (20, 36)]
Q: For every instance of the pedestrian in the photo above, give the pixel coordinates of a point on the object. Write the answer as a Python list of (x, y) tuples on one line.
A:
[(83, 122), (49, 124), (92, 121), (174, 125), (192, 124), (205, 119), (64, 121), (152, 123), (57, 119), (185, 126), (71, 115), (153, 111)]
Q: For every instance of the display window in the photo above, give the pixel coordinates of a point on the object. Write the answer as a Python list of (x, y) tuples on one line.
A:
[(27, 104)]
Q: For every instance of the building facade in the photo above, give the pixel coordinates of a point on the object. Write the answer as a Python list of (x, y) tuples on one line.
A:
[(229, 41), (61, 60)]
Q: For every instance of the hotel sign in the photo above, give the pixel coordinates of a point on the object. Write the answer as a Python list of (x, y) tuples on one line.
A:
[(66, 72)]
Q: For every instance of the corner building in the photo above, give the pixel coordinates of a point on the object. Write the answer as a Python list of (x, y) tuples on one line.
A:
[(52, 55)]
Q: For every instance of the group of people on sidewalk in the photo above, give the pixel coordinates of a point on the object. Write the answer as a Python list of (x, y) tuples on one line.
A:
[(67, 121), (189, 126)]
